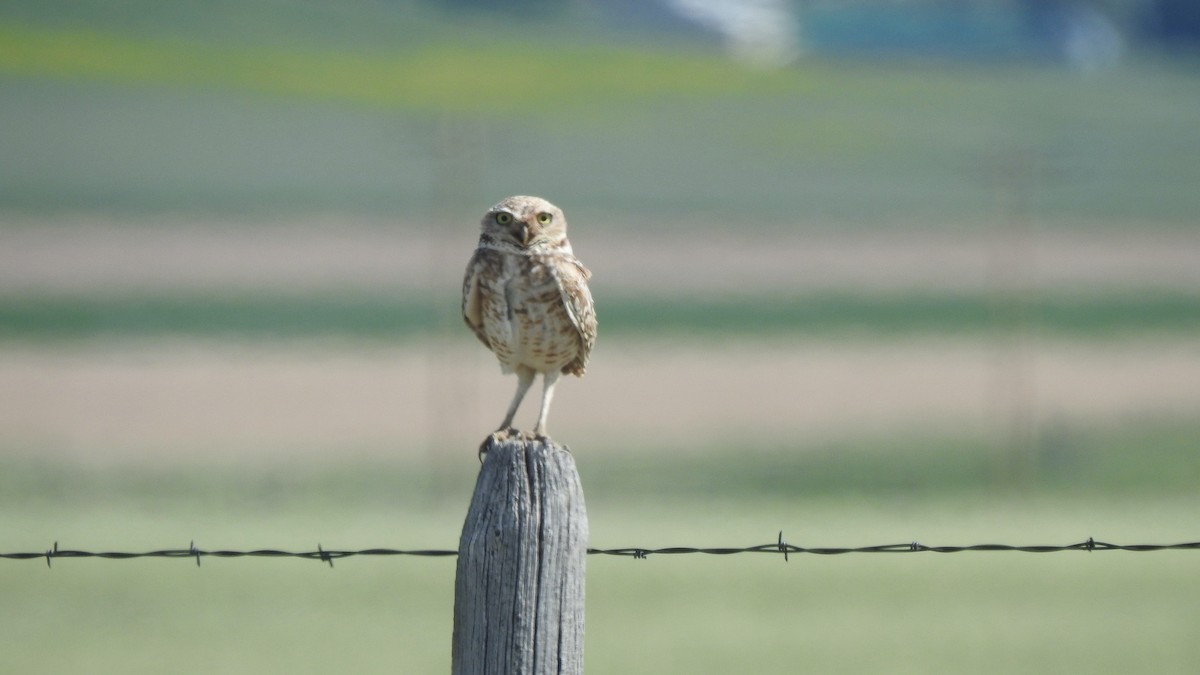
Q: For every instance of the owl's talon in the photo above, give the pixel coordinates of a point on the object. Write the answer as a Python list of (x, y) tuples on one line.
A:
[(498, 436)]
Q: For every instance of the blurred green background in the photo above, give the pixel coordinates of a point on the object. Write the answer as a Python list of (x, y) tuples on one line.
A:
[(866, 272)]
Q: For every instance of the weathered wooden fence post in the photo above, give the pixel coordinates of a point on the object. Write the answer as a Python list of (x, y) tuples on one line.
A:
[(518, 590)]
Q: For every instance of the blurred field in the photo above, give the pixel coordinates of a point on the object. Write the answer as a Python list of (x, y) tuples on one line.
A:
[(105, 112), (997, 612), (856, 301), (171, 403), (78, 278), (147, 444)]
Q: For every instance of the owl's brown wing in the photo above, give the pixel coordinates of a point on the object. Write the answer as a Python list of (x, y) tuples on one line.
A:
[(572, 282), (472, 302)]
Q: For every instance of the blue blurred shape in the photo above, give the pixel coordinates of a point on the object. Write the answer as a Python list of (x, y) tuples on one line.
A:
[(1061, 31)]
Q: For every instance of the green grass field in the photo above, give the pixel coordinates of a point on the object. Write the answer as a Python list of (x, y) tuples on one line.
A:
[(1000, 612), (1108, 612)]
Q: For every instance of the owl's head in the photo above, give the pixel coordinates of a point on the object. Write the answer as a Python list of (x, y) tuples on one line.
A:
[(530, 223)]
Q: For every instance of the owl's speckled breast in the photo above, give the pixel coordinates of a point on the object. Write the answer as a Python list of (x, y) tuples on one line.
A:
[(523, 313)]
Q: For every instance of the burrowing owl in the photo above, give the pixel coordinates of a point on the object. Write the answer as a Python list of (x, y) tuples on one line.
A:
[(525, 296)]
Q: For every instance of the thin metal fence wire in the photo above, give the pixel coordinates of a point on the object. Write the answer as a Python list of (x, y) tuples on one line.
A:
[(778, 547)]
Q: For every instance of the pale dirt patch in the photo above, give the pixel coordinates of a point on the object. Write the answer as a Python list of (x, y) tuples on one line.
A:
[(262, 403), (88, 255)]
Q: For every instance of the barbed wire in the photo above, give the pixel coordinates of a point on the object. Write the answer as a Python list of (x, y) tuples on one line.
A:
[(778, 547)]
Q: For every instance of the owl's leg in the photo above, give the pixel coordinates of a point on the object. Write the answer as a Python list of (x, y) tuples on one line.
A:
[(525, 377), (549, 380)]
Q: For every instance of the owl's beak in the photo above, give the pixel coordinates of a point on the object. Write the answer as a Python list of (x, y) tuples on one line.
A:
[(528, 232)]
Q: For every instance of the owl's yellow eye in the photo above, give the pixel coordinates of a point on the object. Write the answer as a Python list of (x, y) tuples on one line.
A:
[(503, 218), (544, 218)]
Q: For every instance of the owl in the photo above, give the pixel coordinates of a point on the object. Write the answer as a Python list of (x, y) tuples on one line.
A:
[(525, 296)]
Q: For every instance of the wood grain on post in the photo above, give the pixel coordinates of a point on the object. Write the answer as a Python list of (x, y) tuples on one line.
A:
[(518, 591)]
